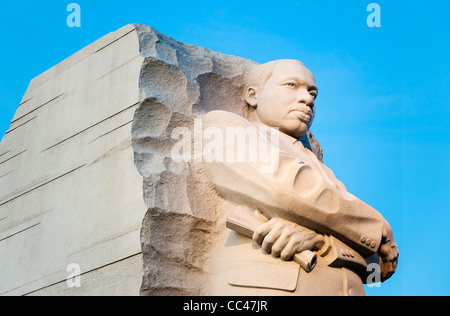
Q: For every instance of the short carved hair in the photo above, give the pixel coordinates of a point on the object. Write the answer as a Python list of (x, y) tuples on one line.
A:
[(258, 75)]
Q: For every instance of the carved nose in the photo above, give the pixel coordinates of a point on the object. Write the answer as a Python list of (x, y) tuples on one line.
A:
[(305, 98)]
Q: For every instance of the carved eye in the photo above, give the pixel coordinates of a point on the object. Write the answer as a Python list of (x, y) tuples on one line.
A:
[(291, 84), (313, 94)]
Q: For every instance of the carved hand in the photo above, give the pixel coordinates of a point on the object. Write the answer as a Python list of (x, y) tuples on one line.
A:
[(388, 252), (284, 239)]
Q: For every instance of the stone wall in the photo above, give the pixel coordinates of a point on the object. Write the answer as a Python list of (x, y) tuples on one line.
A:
[(69, 189)]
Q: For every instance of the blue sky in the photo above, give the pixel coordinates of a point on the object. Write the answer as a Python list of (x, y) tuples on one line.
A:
[(382, 111)]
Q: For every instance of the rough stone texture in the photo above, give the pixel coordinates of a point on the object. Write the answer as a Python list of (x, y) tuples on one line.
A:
[(315, 146), (185, 217), (177, 83)]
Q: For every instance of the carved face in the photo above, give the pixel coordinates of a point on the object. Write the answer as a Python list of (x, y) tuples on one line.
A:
[(287, 99)]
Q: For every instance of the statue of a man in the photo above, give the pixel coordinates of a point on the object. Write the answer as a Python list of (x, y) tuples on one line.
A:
[(307, 207)]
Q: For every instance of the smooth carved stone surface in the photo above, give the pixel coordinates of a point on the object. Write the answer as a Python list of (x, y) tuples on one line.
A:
[(69, 188), (185, 218)]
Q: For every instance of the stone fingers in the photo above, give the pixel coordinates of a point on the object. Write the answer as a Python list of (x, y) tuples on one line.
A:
[(283, 239)]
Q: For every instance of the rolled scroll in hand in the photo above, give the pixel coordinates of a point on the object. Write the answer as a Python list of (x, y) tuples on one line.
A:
[(245, 222)]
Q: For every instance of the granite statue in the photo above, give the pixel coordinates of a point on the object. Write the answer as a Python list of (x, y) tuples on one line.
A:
[(239, 199)]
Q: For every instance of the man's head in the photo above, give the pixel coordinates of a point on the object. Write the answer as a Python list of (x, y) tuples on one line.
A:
[(281, 94)]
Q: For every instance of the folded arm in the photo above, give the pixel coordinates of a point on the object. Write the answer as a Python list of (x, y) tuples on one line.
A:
[(295, 192)]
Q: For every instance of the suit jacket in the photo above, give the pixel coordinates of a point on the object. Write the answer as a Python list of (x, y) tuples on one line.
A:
[(301, 189)]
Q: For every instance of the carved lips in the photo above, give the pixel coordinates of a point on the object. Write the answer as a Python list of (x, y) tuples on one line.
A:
[(303, 114)]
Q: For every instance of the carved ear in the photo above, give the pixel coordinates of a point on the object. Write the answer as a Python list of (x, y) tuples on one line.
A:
[(252, 97)]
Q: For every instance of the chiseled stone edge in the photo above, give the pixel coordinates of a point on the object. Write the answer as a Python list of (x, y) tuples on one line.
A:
[(178, 82)]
